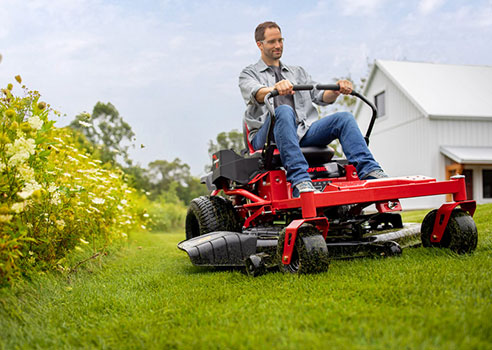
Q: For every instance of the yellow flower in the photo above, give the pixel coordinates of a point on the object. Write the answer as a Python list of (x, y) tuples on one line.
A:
[(60, 224), (10, 113), (5, 218), (4, 139), (18, 207), (35, 122), (26, 173), (18, 78), (20, 151), (98, 201), (29, 189), (25, 127)]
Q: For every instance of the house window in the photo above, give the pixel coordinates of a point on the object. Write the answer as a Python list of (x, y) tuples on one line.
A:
[(380, 102), (487, 183)]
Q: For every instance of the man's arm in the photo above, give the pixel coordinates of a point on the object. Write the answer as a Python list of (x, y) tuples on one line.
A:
[(284, 87), (330, 96)]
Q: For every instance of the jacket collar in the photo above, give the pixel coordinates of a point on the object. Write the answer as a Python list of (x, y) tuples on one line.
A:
[(261, 66)]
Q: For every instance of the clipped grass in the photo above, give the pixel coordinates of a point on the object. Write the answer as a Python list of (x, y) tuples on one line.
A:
[(150, 297)]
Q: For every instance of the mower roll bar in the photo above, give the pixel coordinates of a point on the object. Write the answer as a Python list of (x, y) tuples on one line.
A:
[(333, 87)]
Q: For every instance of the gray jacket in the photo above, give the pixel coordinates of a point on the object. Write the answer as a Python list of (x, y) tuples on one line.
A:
[(259, 75)]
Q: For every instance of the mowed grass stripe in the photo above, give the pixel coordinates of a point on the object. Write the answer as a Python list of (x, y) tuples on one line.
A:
[(149, 296)]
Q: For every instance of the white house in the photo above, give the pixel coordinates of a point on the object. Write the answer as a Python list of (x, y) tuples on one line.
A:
[(433, 120)]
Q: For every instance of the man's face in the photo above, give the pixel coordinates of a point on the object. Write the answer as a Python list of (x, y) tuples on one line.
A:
[(272, 46)]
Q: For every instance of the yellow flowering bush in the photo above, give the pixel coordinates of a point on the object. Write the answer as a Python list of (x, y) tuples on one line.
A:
[(54, 197)]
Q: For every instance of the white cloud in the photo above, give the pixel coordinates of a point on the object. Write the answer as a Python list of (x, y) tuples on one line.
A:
[(426, 7), (360, 7)]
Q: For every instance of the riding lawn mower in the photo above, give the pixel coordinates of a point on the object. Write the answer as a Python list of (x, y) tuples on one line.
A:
[(252, 220)]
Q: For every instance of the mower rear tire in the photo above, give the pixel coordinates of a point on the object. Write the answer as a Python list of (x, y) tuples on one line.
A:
[(211, 213), (310, 254), (460, 235)]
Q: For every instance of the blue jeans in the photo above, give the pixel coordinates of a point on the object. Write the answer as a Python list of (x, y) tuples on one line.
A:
[(322, 132)]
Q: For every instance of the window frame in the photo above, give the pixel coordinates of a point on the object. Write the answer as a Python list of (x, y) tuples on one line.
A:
[(483, 170), (383, 94)]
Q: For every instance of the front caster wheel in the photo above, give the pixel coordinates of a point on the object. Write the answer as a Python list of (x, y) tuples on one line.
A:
[(310, 253), (460, 235)]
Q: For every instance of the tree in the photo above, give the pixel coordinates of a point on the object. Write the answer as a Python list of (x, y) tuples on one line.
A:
[(138, 178), (164, 173), (176, 176), (227, 140), (107, 131)]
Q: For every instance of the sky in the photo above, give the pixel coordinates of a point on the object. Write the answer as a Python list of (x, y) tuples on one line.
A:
[(171, 67)]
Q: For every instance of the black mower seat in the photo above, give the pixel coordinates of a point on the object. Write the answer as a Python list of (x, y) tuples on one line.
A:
[(318, 155)]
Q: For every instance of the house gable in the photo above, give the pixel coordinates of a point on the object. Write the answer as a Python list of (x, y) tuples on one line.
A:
[(441, 91)]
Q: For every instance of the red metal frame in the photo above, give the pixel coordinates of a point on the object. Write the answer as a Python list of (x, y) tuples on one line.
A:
[(443, 215), (274, 195), (291, 234)]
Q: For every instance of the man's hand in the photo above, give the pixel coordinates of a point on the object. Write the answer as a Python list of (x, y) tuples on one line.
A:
[(345, 87), (330, 96), (284, 87)]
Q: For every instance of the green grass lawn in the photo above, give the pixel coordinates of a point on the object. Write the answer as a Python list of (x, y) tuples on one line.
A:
[(149, 296)]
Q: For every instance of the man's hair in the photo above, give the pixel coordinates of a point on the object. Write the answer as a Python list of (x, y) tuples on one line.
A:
[(260, 30)]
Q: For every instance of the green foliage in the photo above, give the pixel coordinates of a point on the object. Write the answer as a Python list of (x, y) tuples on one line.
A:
[(226, 140), (164, 213), (138, 178), (107, 131), (174, 176), (55, 197)]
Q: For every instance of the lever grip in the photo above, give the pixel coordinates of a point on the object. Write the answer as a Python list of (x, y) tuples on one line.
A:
[(333, 87), (295, 88)]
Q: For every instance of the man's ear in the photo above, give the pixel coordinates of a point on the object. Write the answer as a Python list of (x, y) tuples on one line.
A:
[(258, 43)]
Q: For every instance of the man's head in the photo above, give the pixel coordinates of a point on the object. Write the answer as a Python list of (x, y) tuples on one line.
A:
[(269, 40)]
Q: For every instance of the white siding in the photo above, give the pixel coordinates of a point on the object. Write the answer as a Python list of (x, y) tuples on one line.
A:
[(405, 142), (400, 139)]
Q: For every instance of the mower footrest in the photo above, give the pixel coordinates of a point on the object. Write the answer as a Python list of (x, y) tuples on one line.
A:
[(351, 249)]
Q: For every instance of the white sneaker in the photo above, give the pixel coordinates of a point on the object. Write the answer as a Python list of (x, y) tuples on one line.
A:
[(375, 174), (301, 187)]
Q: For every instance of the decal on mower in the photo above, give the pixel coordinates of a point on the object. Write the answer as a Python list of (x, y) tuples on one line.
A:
[(317, 169)]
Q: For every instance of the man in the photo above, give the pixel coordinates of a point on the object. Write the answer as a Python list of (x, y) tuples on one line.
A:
[(297, 123)]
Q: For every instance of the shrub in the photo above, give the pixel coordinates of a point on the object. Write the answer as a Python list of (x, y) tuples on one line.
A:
[(167, 212), (54, 197)]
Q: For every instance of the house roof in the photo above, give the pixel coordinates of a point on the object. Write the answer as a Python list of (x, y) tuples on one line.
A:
[(441, 90), (468, 155)]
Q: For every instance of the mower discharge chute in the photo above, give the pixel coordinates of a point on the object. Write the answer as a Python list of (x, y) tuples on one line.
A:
[(257, 223)]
